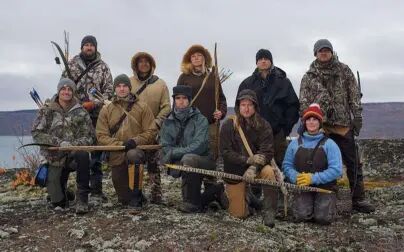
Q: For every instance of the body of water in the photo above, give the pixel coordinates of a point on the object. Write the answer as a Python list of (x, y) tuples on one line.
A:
[(9, 156)]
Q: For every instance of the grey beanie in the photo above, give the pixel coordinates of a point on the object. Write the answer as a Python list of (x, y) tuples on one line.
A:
[(320, 44), (66, 82), (89, 39), (122, 79)]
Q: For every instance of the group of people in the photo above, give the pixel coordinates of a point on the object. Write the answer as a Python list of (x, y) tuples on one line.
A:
[(92, 108)]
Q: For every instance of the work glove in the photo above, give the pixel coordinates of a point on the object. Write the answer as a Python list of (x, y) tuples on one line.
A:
[(257, 159), (65, 144), (129, 144), (89, 106), (304, 179), (357, 125), (250, 173)]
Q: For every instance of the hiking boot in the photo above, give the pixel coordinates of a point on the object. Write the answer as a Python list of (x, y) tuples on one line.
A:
[(254, 202), (269, 218), (70, 196), (363, 206), (269, 208), (81, 207), (187, 207), (137, 203)]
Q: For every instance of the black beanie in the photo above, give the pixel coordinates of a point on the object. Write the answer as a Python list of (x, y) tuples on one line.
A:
[(263, 53), (122, 79), (183, 90), (89, 39)]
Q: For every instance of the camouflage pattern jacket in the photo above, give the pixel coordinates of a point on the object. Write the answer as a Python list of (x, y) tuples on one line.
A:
[(99, 77), (53, 125), (334, 87)]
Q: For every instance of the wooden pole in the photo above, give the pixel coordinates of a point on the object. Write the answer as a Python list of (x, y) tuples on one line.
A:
[(102, 148)]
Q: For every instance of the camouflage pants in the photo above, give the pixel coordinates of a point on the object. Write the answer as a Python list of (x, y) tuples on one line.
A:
[(154, 176), (318, 206)]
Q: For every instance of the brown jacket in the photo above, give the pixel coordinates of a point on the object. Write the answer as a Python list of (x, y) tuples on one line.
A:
[(156, 94), (138, 125), (232, 148), (205, 102)]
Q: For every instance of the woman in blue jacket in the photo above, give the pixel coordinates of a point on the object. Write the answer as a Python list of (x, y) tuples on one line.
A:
[(313, 159)]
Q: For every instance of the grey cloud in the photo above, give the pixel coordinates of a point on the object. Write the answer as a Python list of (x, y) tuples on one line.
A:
[(367, 35)]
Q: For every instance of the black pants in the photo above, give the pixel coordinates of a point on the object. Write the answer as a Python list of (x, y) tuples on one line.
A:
[(192, 182), (96, 172), (351, 160)]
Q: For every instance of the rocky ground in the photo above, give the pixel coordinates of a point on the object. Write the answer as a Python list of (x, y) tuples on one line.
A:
[(27, 224)]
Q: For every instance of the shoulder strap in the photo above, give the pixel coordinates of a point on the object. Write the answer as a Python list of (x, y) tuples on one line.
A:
[(152, 79), (91, 66), (200, 89), (320, 143), (300, 141), (242, 135), (116, 127), (141, 89)]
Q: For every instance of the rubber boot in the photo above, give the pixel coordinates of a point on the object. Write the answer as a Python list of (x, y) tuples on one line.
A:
[(270, 204)]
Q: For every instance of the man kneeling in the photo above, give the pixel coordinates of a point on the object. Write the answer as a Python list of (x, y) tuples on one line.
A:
[(129, 122), (184, 139), (64, 122), (248, 157)]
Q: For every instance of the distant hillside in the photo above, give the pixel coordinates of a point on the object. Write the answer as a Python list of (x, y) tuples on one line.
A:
[(381, 120), (16, 122)]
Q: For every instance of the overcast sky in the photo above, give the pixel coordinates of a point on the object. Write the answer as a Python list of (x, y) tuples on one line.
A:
[(367, 35)]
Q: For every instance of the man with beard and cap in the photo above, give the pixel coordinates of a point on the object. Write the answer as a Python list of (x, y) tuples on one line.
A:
[(88, 71), (184, 140), (64, 122), (153, 91), (238, 161), (133, 128), (333, 86), (277, 101), (313, 159)]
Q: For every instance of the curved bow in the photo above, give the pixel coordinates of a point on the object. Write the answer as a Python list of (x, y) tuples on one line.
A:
[(64, 61)]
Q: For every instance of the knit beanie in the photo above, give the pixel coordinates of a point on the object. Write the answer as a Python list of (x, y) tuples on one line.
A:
[(89, 39), (65, 82), (122, 79), (320, 44), (183, 90), (263, 53), (313, 110)]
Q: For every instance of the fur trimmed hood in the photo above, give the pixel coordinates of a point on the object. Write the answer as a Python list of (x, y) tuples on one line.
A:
[(139, 55), (186, 66)]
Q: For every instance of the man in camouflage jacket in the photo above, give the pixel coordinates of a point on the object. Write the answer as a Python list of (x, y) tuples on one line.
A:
[(332, 84), (98, 76), (63, 122)]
